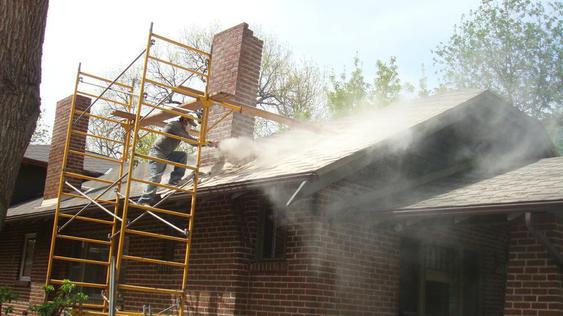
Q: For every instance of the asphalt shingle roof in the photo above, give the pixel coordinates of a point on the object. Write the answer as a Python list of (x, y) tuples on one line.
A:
[(40, 152), (539, 181), (297, 152)]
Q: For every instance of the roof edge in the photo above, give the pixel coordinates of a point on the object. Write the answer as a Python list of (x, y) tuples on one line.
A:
[(203, 191), (478, 209)]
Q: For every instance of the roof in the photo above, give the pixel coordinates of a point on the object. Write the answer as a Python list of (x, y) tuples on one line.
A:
[(40, 152), (305, 151), (37, 152), (334, 144), (539, 181)]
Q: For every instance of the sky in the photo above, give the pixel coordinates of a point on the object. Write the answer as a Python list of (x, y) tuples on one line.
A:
[(105, 35)]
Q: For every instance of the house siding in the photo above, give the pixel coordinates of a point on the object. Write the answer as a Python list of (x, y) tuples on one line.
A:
[(534, 282), (11, 245), (330, 267), (489, 241)]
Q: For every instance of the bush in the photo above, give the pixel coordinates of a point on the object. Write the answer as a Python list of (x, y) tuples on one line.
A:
[(6, 296), (60, 300)]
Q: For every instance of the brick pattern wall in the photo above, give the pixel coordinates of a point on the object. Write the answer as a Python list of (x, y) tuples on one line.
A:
[(489, 241), (330, 267), (291, 285), (360, 262), (75, 163), (217, 264), (534, 282), (235, 69), (365, 240), (11, 249), (226, 279)]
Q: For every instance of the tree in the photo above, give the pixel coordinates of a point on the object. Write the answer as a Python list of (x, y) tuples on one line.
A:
[(512, 47), (386, 85), (348, 94), (292, 88), (22, 30), (287, 86), (355, 94), (42, 134)]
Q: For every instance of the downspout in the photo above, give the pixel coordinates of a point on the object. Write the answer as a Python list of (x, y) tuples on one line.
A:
[(551, 250), (294, 195)]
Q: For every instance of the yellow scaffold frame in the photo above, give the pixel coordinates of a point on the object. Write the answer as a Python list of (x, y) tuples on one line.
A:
[(60, 214), (133, 121)]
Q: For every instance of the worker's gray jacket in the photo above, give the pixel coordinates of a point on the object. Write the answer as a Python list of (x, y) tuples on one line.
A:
[(164, 145)]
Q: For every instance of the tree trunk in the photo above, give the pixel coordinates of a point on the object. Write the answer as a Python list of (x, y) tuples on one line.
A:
[(22, 29)]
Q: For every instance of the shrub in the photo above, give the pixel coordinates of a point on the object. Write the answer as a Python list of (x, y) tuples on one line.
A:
[(65, 298)]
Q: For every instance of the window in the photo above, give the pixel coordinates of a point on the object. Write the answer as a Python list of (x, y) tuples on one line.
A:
[(27, 257), (270, 242), (438, 280), (83, 272)]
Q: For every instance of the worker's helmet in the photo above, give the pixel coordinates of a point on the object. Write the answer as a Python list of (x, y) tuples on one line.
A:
[(188, 121)]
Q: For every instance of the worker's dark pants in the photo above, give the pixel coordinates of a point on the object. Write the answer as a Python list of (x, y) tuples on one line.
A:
[(156, 169)]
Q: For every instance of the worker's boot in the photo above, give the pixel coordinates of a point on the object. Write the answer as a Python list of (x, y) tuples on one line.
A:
[(182, 182)]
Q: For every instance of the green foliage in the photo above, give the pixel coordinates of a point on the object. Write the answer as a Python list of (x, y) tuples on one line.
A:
[(65, 297), (386, 86), (554, 126), (6, 296), (512, 47), (347, 95), (145, 143)]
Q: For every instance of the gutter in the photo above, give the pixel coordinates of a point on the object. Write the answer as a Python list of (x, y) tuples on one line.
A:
[(204, 191), (34, 162), (296, 193), (479, 209)]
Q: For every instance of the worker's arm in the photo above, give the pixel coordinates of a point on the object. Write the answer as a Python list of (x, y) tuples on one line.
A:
[(176, 129)]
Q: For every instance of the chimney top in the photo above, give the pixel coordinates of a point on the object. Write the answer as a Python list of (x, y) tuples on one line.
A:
[(236, 56), (75, 163)]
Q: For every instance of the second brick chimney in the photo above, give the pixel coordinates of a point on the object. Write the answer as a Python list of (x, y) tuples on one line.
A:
[(75, 163), (236, 56)]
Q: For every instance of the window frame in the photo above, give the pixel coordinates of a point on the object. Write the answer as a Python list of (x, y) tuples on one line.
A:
[(278, 231), (24, 256)]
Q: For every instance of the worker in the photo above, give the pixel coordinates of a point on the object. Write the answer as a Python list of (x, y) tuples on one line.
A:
[(165, 148)]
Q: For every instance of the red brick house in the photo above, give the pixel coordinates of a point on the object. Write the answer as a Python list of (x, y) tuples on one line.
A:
[(446, 205)]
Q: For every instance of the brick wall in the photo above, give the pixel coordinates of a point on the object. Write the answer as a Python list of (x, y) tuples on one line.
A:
[(75, 163), (359, 262), (330, 267), (235, 69), (364, 238), (225, 277), (215, 265), (534, 282), (11, 247), (488, 240)]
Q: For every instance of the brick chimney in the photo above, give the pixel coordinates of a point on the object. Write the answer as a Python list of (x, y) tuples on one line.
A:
[(75, 163), (235, 69)]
